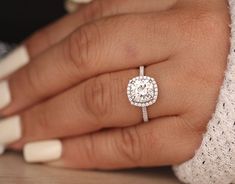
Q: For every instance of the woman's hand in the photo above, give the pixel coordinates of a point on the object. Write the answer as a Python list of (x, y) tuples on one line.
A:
[(74, 87)]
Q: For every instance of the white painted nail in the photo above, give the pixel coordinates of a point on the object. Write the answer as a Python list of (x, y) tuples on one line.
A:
[(10, 130), (71, 7), (13, 61), (2, 149), (5, 95), (43, 151)]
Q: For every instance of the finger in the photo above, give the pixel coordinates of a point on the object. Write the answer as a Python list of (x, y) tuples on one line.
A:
[(102, 103), (54, 33), (57, 31), (92, 50), (161, 142)]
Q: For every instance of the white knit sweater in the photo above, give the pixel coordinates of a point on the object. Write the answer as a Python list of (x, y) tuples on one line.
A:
[(214, 161)]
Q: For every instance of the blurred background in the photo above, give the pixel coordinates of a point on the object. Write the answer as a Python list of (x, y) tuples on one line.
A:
[(19, 18)]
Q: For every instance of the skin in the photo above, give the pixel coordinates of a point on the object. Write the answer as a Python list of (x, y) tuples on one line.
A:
[(74, 87)]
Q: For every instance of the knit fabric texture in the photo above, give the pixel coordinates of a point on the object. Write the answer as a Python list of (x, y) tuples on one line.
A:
[(214, 161)]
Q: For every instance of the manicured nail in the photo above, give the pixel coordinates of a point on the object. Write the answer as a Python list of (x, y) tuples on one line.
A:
[(13, 61), (10, 130), (2, 149), (71, 7), (5, 95), (43, 151)]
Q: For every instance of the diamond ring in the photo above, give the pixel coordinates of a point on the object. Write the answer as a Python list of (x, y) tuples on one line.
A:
[(142, 91)]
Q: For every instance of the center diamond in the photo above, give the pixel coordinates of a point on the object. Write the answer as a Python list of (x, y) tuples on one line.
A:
[(142, 91)]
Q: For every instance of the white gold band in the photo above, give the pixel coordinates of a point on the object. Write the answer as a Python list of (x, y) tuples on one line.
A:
[(141, 70), (145, 114), (142, 91), (144, 109)]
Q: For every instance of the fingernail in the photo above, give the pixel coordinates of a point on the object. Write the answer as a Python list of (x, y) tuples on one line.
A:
[(2, 149), (5, 95), (13, 61), (71, 7), (43, 151), (10, 130)]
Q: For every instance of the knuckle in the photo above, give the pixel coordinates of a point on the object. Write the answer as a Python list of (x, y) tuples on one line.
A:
[(98, 99), (130, 145), (80, 49), (89, 149), (77, 48), (30, 78), (28, 81)]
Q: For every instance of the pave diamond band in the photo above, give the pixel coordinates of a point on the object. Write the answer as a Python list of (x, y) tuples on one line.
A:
[(142, 91)]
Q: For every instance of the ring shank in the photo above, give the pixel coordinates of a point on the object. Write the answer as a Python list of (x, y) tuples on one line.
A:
[(141, 70), (144, 109), (145, 114)]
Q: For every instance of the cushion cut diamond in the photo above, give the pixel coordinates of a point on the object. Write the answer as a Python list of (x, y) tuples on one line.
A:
[(142, 91)]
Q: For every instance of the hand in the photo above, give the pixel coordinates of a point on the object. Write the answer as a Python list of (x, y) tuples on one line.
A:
[(74, 87)]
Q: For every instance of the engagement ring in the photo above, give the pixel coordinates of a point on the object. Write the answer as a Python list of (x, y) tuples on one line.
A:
[(142, 91)]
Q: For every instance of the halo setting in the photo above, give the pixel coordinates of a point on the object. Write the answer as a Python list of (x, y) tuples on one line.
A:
[(142, 91)]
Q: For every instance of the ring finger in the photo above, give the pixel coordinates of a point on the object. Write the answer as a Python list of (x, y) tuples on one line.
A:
[(98, 103)]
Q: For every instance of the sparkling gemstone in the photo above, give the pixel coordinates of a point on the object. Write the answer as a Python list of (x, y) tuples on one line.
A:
[(142, 91)]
